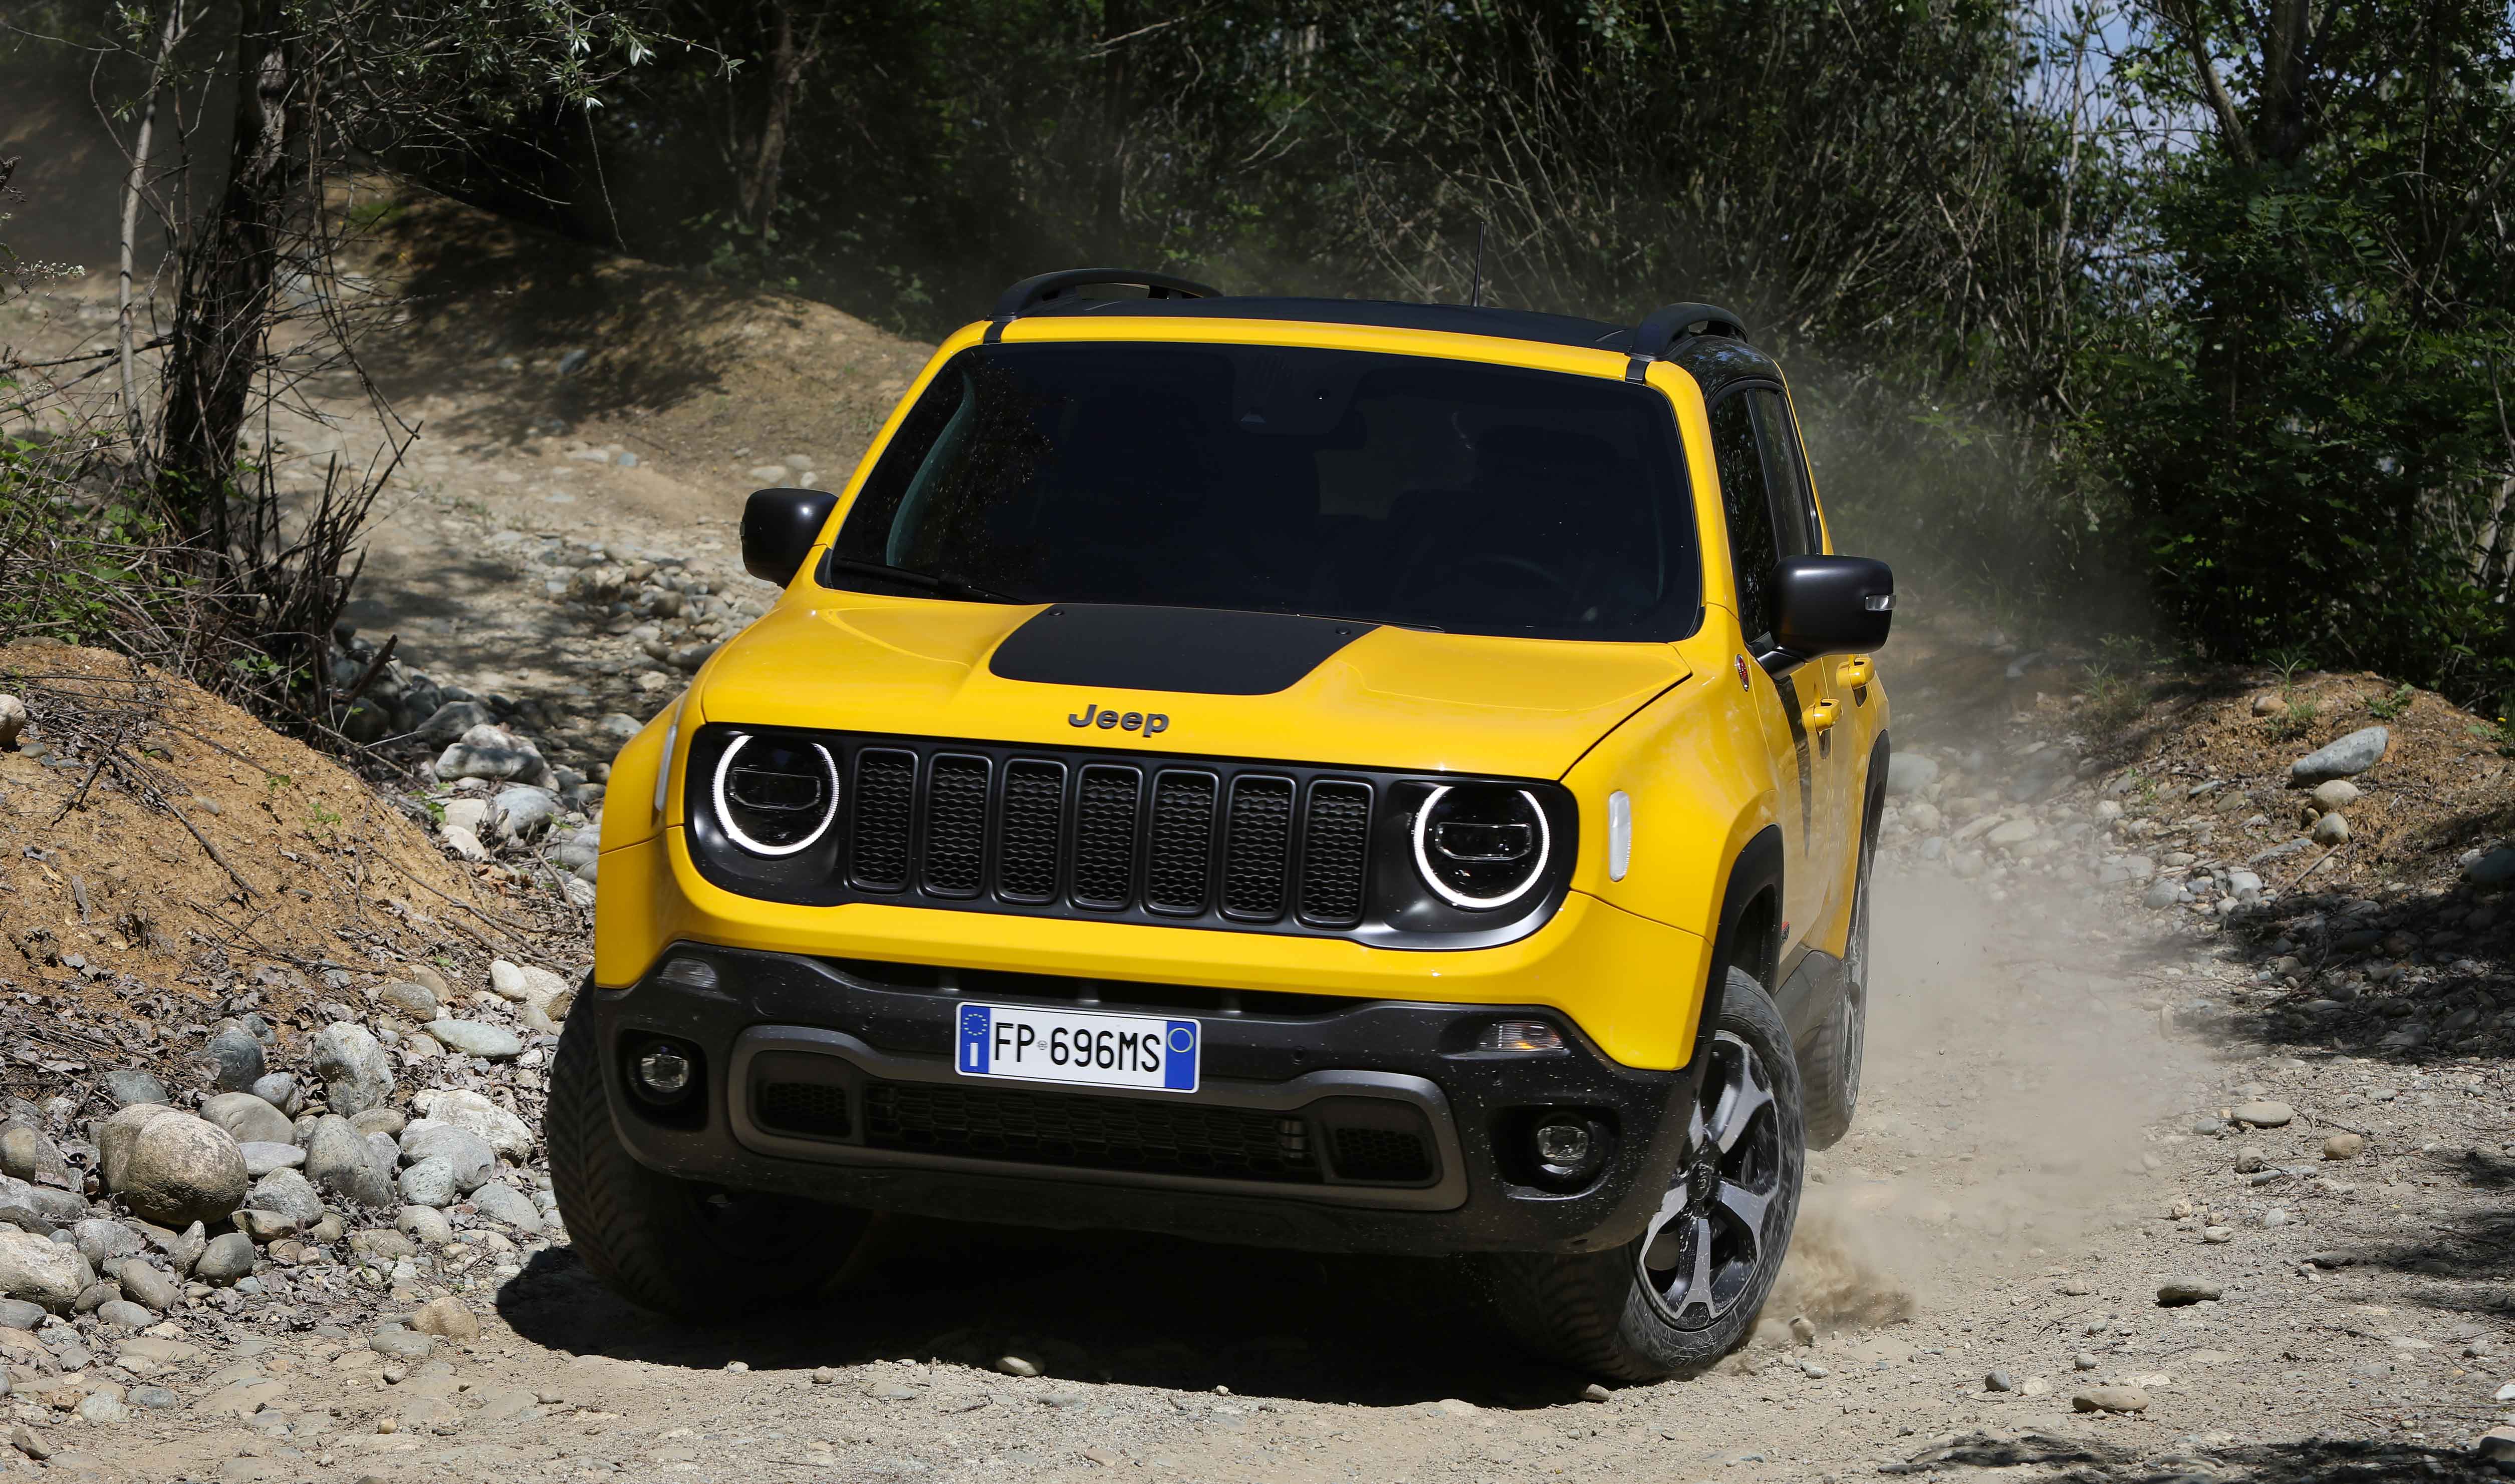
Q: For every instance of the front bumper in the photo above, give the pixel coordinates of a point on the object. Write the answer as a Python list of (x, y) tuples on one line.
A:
[(834, 1080)]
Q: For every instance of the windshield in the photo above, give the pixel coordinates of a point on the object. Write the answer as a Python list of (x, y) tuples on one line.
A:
[(1400, 489)]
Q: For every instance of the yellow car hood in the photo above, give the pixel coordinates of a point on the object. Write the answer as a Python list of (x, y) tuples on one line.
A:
[(1389, 698)]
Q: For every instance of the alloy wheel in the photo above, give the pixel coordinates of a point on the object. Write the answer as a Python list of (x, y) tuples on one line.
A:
[(1707, 1240)]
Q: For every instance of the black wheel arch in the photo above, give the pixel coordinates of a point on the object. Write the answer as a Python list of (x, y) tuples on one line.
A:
[(1749, 934)]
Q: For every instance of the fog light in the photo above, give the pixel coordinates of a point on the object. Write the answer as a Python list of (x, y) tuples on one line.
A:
[(1520, 1036), (1569, 1149), (663, 1072)]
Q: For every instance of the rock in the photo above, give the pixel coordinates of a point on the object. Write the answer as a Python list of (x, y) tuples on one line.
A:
[(100, 1241), (260, 1158), (288, 1194), (2277, 1216), (183, 1249), (1803, 1331), (2161, 894), (1998, 1380), (416, 1001), (96, 1296), (429, 1182), (264, 1227), (101, 1407), (471, 814), (242, 1397), (170, 1168), (388, 1121), (2336, 794), (228, 1259), (2083, 1361), (497, 764), (501, 1201), (42, 1271), (124, 1314), (2331, 830), (491, 1043), (449, 722), (523, 811), (2250, 1159), (2352, 754), (507, 1134), (473, 1161), (1593, 1393), (26, 1154), (396, 1343), (2496, 1447), (13, 722), (423, 1226), (281, 1092), (2014, 832), (2175, 1292), (338, 1158), (446, 1318), (465, 844), (1017, 1365), (131, 1085), (149, 1285), (2344, 1146), (2268, 704), (825, 1376), (2241, 881), (234, 1057), (153, 1397), (2263, 1115), (1909, 773), (19, 1314), (2217, 1234), (2496, 868), (248, 1119), (383, 1243), (2111, 1399), (356, 1073)]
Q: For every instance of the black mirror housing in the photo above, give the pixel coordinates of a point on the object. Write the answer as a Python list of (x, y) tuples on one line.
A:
[(1832, 605), (778, 528)]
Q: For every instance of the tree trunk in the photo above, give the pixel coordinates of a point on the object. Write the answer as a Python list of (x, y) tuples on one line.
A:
[(131, 193), (1118, 22), (224, 308), (788, 61)]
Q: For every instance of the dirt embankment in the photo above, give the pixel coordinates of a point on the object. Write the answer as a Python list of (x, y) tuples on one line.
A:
[(163, 856)]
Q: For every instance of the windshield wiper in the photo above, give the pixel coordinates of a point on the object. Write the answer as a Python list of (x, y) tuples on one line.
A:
[(940, 587)]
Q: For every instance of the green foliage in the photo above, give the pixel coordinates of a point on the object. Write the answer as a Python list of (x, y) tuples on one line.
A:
[(2385, 707), (72, 568)]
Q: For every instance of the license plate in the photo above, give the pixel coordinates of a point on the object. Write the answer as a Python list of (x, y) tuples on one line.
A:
[(1085, 1047)]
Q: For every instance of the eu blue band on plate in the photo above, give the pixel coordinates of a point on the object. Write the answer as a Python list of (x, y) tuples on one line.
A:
[(1179, 1068), (975, 1022)]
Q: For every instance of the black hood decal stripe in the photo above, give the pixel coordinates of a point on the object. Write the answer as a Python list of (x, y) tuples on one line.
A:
[(1194, 651)]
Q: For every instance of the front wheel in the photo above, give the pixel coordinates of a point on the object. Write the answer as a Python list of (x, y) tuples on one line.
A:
[(1690, 1289), (692, 1251)]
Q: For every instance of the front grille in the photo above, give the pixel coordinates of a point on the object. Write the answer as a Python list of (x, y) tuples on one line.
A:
[(885, 803), (956, 825), (1033, 831), (1089, 1132), (1105, 837), (810, 1108), (1333, 851), (1179, 865), (1261, 840)]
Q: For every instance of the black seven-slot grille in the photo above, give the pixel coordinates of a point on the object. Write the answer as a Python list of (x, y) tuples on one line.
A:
[(1086, 834)]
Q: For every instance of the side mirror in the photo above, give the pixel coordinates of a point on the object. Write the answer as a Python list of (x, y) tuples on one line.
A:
[(778, 528), (1832, 605)]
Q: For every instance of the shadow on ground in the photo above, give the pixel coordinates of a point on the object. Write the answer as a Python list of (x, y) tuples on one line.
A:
[(2308, 1461), (1139, 1310)]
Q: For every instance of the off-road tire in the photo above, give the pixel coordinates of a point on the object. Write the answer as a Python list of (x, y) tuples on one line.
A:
[(692, 1251), (1830, 1062), (1597, 1312)]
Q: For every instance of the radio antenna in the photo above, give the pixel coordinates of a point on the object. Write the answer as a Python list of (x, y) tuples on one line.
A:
[(1477, 291)]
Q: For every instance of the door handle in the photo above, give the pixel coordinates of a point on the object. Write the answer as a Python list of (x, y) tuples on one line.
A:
[(1819, 717), (1853, 672)]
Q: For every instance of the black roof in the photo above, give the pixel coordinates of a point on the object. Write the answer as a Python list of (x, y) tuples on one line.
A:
[(1379, 313), (1713, 359)]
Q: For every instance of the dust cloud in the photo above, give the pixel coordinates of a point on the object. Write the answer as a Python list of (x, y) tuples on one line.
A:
[(2010, 1073)]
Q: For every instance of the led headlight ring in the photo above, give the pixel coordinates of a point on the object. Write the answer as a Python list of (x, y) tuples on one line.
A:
[(734, 831), (1457, 898)]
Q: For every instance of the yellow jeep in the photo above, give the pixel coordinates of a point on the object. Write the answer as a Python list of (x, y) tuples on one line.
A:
[(1345, 775)]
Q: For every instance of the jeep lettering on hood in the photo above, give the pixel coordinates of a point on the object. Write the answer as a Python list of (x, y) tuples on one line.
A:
[(1147, 722)]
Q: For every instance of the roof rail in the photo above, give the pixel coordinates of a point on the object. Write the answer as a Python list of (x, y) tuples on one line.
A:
[(1667, 325), (1047, 288)]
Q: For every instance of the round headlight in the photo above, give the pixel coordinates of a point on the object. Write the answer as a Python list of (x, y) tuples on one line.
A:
[(776, 797), (1481, 846)]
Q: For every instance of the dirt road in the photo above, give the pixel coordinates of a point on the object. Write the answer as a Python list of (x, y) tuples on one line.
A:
[(2044, 1146)]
